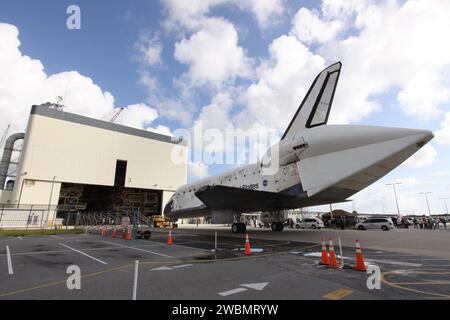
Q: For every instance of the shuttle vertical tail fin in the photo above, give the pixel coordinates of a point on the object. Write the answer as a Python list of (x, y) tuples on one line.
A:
[(316, 106)]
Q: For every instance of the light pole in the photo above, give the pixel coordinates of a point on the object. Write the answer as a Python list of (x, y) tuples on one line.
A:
[(395, 195), (331, 215), (428, 204), (50, 199), (445, 202)]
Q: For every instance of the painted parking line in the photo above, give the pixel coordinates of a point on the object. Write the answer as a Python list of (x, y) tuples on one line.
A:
[(338, 294), (81, 252), (19, 238), (165, 268), (182, 266), (255, 286), (138, 249), (55, 251), (380, 261), (233, 291), (402, 285), (437, 282), (8, 258), (397, 263)]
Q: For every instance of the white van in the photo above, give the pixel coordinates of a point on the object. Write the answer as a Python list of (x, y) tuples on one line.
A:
[(312, 223), (384, 224)]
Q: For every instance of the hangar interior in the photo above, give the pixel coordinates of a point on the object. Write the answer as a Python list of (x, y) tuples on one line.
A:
[(116, 198), (92, 198)]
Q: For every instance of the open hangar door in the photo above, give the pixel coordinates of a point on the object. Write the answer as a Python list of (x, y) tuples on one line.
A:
[(95, 198)]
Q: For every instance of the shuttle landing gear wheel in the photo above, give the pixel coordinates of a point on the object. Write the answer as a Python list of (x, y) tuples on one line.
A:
[(238, 227), (277, 226)]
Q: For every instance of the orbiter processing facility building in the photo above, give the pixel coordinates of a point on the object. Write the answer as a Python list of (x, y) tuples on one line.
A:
[(84, 164)]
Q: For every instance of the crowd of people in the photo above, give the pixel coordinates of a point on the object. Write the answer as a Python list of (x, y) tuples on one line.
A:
[(421, 223)]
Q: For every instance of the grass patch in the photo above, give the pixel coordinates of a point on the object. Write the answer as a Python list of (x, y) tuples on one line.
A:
[(22, 233)]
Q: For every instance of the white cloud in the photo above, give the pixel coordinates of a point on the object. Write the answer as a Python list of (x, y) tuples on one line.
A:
[(343, 8), (266, 11), (197, 170), (209, 47), (215, 115), (161, 129), (23, 82), (441, 173), (212, 54), (308, 27), (138, 116), (443, 135), (396, 47), (422, 158), (170, 107), (150, 49), (283, 80), (189, 15)]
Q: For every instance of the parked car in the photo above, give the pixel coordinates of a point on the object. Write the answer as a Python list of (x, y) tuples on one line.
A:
[(312, 223), (384, 224)]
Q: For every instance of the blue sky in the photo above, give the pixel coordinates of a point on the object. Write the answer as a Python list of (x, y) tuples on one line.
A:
[(165, 61)]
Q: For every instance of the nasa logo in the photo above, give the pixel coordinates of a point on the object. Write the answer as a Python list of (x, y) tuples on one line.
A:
[(265, 183)]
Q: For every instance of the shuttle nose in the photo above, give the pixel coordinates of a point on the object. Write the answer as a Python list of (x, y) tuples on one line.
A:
[(333, 138), (168, 209), (426, 136), (417, 138), (353, 157), (365, 135)]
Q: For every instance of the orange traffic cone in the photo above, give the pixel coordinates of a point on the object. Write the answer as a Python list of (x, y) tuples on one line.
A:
[(248, 251), (128, 235), (169, 238), (360, 265), (332, 262), (325, 260), (114, 233), (104, 231)]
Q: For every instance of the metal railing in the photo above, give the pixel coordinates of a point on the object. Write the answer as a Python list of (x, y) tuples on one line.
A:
[(28, 216)]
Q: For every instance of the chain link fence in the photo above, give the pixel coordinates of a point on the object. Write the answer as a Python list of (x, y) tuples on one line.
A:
[(28, 216)]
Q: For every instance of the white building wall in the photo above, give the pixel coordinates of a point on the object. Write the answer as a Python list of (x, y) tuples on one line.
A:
[(39, 192), (165, 198), (5, 196), (78, 153)]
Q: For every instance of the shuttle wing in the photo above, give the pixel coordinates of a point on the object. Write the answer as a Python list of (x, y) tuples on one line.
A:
[(223, 197), (316, 106), (219, 197)]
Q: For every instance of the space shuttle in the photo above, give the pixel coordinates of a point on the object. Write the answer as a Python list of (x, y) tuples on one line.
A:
[(316, 164)]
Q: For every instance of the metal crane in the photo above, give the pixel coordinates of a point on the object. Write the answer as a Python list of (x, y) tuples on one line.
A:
[(116, 115)]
